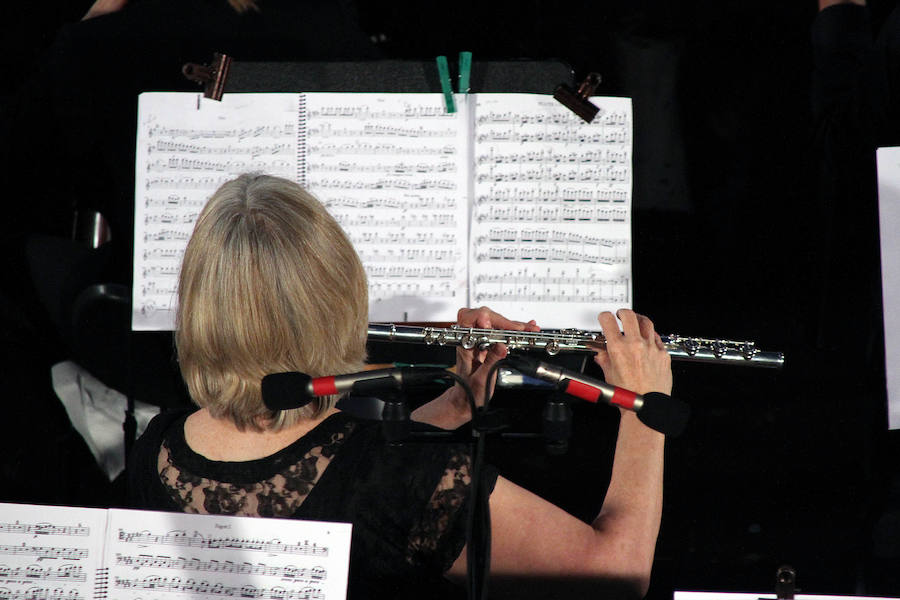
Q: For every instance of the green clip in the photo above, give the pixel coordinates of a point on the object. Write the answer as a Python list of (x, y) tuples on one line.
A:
[(446, 88), (465, 68)]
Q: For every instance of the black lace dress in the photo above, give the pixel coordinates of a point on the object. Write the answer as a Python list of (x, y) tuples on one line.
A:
[(407, 503)]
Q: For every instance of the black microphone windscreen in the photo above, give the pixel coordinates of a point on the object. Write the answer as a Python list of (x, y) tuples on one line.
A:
[(283, 391), (664, 414)]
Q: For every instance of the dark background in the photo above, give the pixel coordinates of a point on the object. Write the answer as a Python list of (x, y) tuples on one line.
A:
[(733, 237)]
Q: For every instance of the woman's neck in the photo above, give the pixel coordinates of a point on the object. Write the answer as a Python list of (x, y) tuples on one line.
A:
[(220, 439)]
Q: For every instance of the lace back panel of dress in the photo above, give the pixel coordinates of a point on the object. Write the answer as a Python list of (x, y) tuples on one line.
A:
[(443, 508), (278, 496)]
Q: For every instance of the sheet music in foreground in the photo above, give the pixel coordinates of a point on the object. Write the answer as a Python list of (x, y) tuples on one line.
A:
[(70, 553), (50, 551), (156, 555)]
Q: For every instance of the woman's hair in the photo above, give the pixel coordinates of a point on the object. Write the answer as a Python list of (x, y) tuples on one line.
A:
[(269, 283)]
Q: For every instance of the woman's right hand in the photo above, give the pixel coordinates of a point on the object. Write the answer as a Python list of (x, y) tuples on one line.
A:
[(635, 358)]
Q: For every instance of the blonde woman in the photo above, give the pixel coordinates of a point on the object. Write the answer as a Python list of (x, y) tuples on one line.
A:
[(270, 283)]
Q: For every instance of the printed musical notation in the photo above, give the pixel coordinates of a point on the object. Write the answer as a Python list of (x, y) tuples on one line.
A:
[(212, 132), (380, 148), (48, 552), (216, 566), (217, 589), (323, 184), (550, 194), (397, 168), (193, 556), (32, 573), (173, 201), (403, 239), (386, 291), (393, 170), (175, 163), (170, 147), (618, 117), (404, 202), (181, 538), (418, 190), (44, 529), (377, 130), (204, 555), (385, 112), (548, 255), (592, 174), (504, 213), (44, 552), (578, 285), (377, 273), (39, 593), (418, 255), (545, 156), (187, 148), (551, 213), (605, 135), (374, 219)]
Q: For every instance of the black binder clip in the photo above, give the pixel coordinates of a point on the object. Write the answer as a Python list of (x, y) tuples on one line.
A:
[(577, 101), (211, 76)]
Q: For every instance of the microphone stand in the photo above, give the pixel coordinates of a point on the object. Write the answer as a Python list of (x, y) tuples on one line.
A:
[(395, 414), (556, 423)]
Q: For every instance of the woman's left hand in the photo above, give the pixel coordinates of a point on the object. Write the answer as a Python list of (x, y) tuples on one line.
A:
[(451, 409)]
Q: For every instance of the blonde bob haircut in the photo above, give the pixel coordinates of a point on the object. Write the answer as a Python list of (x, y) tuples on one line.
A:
[(269, 283)]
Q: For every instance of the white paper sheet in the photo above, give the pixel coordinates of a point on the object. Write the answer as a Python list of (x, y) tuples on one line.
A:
[(889, 218), (512, 202), (155, 555)]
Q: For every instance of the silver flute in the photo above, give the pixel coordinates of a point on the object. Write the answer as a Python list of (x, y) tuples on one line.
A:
[(552, 342)]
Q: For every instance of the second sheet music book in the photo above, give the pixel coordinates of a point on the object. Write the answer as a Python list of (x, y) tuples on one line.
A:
[(70, 553), (511, 202)]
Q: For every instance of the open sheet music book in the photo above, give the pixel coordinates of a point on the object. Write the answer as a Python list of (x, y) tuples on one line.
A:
[(512, 202), (67, 553)]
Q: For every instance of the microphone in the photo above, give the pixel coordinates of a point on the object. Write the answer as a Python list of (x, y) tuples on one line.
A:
[(656, 410), (292, 389)]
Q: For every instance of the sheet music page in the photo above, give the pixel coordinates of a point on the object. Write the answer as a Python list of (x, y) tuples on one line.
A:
[(551, 233), (393, 170), (50, 551), (889, 219), (187, 146), (157, 556)]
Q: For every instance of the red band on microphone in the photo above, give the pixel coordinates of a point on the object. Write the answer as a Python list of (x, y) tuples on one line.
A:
[(323, 386), (623, 398), (582, 390)]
